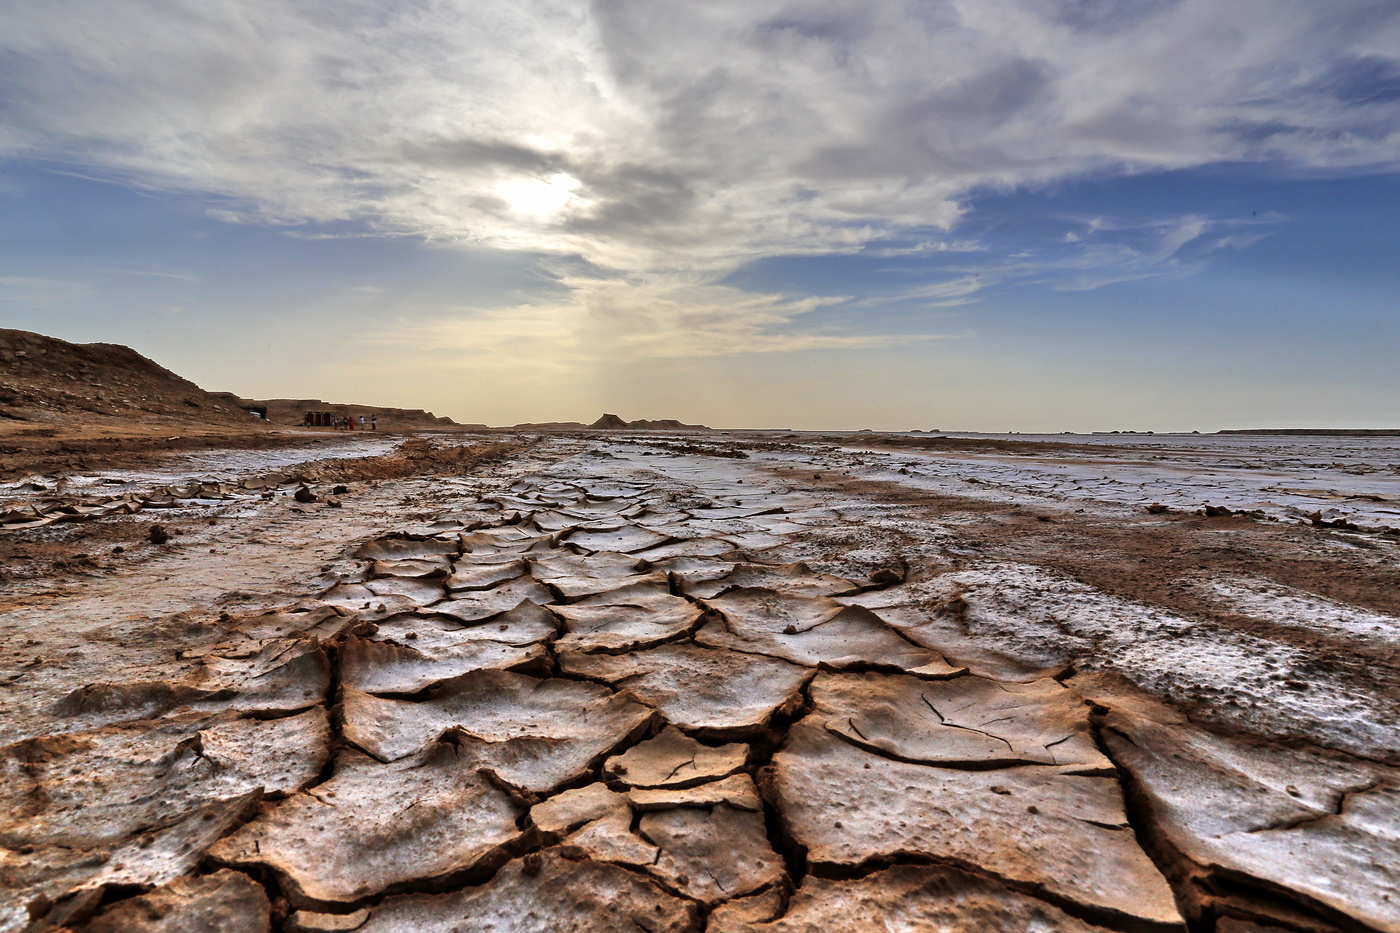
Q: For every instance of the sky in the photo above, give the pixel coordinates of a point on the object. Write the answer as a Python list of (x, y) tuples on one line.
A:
[(985, 215)]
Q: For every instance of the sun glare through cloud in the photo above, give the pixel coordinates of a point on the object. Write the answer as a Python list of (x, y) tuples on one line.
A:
[(542, 199)]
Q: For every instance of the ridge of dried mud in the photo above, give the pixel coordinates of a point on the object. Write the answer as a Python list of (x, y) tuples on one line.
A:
[(603, 684)]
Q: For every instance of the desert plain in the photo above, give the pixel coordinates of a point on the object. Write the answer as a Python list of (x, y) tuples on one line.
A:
[(445, 679)]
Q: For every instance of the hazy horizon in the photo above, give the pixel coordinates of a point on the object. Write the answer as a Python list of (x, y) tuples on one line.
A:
[(1017, 215)]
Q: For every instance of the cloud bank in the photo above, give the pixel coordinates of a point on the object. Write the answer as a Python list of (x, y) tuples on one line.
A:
[(662, 145)]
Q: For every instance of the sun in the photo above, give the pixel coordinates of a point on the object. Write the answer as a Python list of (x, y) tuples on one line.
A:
[(540, 198)]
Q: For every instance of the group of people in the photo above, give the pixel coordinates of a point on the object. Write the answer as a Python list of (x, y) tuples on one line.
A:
[(348, 423)]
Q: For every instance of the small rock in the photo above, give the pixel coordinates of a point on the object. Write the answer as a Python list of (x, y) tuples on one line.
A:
[(1157, 508), (305, 921), (303, 494), (159, 534)]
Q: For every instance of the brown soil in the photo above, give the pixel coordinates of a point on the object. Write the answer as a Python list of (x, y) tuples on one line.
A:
[(1158, 559), (414, 457), (128, 445), (1148, 558)]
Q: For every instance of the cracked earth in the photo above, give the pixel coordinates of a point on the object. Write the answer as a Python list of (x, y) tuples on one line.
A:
[(594, 685)]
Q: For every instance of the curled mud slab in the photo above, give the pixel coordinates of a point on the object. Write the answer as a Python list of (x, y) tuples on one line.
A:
[(1062, 834), (375, 827), (670, 689), (906, 897)]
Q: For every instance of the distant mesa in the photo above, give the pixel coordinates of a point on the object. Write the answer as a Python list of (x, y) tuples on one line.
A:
[(665, 424), (611, 422)]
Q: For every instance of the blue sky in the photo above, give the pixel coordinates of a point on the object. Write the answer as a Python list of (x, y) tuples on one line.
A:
[(1033, 215)]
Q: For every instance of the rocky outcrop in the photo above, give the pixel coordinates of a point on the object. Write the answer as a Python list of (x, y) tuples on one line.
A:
[(47, 380)]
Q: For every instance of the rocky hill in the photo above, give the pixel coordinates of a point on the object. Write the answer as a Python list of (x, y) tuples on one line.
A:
[(45, 380)]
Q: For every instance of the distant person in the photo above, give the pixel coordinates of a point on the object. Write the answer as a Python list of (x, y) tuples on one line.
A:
[(362, 422), (374, 422)]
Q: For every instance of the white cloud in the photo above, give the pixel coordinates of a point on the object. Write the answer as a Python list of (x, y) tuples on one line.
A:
[(667, 142)]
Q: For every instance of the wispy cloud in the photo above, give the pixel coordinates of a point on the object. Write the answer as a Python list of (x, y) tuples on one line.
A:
[(1111, 250), (927, 248), (948, 293), (641, 316), (1089, 252), (151, 273), (43, 292)]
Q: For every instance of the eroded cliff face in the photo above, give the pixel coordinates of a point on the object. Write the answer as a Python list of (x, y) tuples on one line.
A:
[(607, 694)]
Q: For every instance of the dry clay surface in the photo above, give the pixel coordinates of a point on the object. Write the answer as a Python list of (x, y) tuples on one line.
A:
[(610, 686)]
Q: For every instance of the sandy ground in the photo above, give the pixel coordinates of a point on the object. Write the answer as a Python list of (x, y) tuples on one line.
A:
[(1224, 689)]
